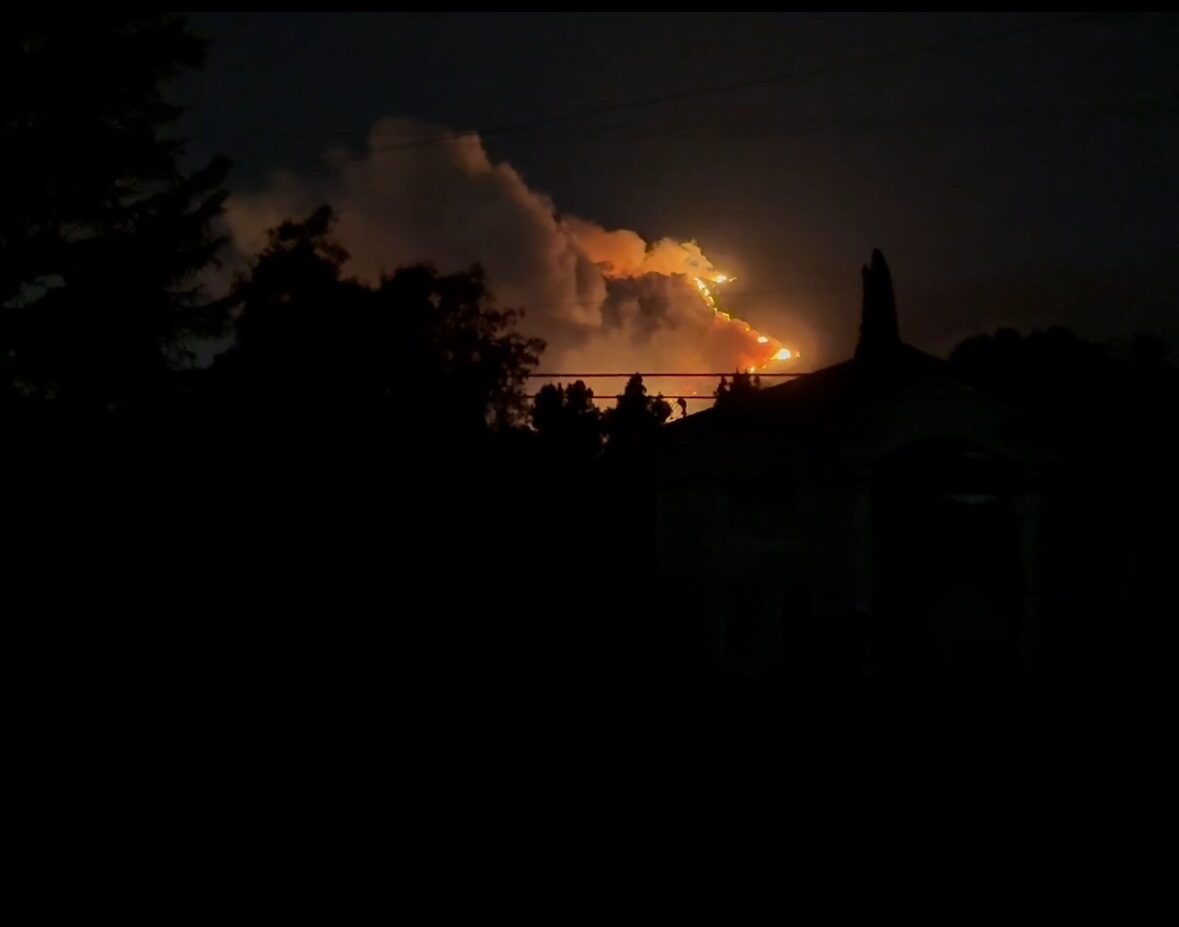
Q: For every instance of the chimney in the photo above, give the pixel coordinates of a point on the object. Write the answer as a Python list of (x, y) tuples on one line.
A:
[(879, 335)]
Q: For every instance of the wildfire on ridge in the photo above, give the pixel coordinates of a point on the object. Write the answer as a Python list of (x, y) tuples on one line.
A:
[(768, 348)]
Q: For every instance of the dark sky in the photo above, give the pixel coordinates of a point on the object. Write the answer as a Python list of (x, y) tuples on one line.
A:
[(1024, 179)]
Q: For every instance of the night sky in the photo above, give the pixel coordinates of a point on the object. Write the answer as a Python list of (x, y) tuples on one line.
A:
[(1015, 169)]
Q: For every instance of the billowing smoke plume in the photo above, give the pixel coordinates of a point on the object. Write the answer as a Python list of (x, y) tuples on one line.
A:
[(601, 299)]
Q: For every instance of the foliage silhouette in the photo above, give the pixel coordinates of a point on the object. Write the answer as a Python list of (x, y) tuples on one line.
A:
[(1113, 414), (738, 393), (102, 233), (632, 424), (567, 420), (879, 333), (426, 348)]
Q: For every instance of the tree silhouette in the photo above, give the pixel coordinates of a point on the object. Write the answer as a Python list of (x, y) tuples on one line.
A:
[(1065, 381), (290, 311), (632, 423), (1113, 415), (879, 334), (426, 347), (468, 362), (567, 420), (739, 392), (101, 232)]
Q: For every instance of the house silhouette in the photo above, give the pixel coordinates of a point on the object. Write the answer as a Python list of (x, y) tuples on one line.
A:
[(875, 516)]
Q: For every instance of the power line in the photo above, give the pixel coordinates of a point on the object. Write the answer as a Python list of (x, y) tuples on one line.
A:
[(913, 51), (649, 375), (750, 83), (586, 376), (658, 396), (765, 128)]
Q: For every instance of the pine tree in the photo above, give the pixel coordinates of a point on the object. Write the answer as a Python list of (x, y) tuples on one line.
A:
[(101, 232)]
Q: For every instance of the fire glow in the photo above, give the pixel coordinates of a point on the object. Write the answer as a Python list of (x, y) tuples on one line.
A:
[(768, 349)]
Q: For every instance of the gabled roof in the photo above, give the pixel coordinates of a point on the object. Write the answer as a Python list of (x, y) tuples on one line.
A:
[(812, 401), (883, 366)]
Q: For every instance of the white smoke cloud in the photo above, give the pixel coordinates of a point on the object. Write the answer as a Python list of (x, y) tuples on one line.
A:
[(602, 299)]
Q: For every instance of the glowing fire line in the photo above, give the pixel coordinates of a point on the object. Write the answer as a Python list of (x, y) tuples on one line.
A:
[(775, 348)]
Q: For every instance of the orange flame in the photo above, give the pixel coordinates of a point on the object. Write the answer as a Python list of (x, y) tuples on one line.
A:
[(770, 349)]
